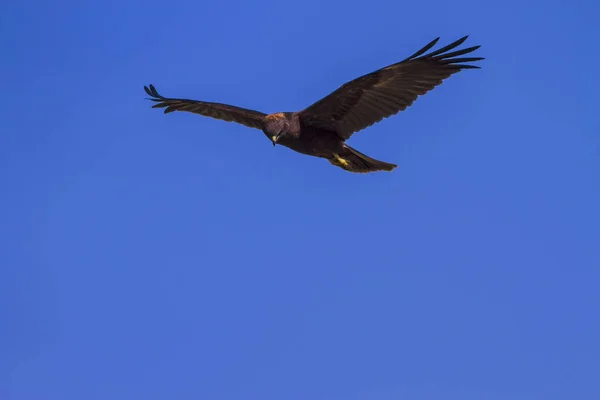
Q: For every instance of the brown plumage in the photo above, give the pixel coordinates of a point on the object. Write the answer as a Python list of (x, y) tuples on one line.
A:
[(321, 129)]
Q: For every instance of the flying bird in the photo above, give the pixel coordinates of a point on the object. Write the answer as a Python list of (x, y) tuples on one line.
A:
[(321, 130)]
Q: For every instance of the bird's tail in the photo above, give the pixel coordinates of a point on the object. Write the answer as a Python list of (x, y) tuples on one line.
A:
[(354, 161)]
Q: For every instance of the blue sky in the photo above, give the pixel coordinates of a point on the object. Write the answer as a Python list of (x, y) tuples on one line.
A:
[(145, 256)]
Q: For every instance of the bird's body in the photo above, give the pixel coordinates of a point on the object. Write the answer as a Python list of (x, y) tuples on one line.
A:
[(317, 142), (299, 137), (322, 129)]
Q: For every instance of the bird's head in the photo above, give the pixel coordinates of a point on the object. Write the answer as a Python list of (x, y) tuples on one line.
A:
[(275, 126)]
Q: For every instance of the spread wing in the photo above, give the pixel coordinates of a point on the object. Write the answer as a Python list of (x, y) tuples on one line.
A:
[(368, 99), (225, 112)]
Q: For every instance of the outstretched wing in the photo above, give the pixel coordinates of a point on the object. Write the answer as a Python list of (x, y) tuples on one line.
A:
[(225, 112), (368, 99)]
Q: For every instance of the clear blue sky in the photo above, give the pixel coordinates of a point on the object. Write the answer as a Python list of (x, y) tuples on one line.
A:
[(145, 256)]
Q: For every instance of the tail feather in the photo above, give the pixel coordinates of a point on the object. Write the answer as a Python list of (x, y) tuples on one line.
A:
[(354, 161)]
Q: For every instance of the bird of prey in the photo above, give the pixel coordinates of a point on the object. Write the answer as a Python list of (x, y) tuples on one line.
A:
[(321, 130)]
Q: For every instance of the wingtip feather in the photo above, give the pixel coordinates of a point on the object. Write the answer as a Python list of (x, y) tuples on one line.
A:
[(424, 49), (442, 55)]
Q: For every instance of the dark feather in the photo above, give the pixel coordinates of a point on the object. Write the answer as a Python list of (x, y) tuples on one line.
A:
[(225, 112), (368, 99)]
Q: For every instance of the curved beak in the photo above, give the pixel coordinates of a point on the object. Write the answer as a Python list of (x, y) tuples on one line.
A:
[(274, 139)]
